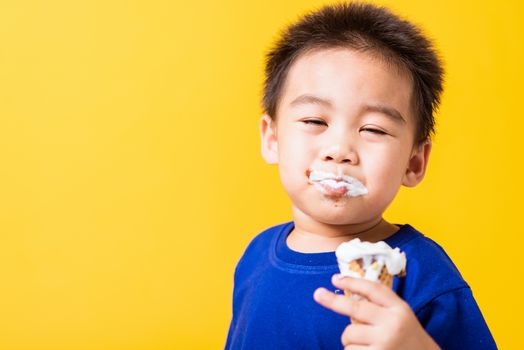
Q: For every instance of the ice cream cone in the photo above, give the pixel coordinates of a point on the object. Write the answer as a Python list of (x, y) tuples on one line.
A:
[(384, 278), (376, 262)]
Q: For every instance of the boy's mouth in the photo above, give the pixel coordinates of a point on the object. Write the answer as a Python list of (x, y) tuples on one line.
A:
[(336, 185)]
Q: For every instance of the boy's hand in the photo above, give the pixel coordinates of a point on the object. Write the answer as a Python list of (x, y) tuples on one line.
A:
[(386, 321)]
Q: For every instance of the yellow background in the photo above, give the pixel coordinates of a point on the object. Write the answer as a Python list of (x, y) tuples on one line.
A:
[(131, 178)]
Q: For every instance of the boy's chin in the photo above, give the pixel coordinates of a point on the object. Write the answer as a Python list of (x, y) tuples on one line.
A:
[(335, 220), (332, 216)]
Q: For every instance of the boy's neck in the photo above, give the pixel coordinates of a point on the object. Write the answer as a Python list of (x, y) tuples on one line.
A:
[(309, 236)]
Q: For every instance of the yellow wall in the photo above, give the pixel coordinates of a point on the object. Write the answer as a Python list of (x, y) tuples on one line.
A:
[(131, 179)]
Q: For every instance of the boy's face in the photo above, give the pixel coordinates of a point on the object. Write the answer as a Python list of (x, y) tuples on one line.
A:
[(365, 131)]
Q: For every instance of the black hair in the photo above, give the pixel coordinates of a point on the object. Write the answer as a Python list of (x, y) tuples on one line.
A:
[(367, 28)]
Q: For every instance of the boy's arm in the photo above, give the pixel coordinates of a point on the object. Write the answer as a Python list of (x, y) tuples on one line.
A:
[(385, 321)]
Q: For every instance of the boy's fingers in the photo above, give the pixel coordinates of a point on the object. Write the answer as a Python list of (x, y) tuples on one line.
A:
[(360, 310), (358, 334), (373, 291)]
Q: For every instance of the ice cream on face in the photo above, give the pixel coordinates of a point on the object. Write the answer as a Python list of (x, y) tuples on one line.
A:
[(343, 184), (372, 257)]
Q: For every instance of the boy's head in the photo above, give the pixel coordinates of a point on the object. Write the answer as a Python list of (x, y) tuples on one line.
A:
[(368, 29), (350, 91)]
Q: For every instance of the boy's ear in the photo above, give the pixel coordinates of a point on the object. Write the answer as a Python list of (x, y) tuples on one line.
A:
[(268, 138), (417, 164)]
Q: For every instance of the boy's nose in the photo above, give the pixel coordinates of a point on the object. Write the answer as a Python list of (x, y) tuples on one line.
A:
[(337, 154)]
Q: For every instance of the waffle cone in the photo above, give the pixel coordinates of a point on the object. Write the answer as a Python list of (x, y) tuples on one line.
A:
[(384, 278)]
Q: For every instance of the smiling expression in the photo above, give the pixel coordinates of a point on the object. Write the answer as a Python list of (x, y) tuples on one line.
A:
[(349, 114)]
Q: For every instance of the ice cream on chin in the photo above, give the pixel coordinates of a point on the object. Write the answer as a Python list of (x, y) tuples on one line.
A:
[(336, 185), (376, 262)]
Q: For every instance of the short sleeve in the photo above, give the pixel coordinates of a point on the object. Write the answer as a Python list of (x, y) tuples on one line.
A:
[(454, 320)]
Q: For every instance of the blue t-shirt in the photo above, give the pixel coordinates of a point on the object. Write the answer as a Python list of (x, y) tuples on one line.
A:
[(273, 306)]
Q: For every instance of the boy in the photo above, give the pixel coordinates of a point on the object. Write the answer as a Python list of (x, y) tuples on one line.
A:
[(349, 98)]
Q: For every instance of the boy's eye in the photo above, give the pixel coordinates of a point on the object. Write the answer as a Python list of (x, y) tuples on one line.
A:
[(314, 122), (374, 131)]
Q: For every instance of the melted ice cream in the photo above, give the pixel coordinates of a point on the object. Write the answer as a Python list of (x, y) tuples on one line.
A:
[(374, 256)]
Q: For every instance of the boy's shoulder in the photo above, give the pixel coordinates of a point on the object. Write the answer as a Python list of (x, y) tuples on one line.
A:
[(426, 255), (265, 238), (257, 251), (430, 272)]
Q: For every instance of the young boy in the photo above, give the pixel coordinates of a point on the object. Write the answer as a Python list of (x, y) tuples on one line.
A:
[(349, 98)]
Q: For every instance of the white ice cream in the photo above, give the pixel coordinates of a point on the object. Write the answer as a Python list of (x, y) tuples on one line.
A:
[(381, 252), (354, 187)]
